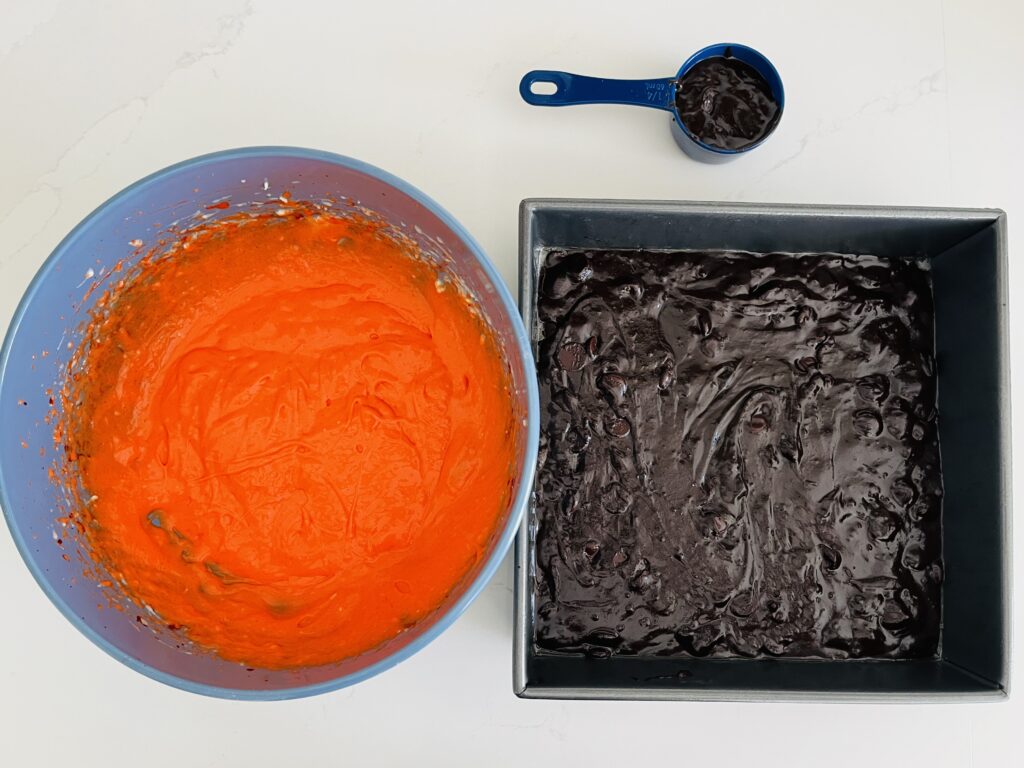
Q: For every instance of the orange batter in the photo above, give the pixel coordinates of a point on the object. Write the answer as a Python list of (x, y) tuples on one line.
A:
[(299, 440)]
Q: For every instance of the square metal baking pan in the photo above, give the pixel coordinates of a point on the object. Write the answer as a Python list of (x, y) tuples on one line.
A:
[(967, 251)]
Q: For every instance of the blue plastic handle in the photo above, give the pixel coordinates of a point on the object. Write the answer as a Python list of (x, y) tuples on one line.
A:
[(578, 89)]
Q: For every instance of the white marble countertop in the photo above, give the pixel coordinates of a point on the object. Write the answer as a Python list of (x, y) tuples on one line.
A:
[(918, 102)]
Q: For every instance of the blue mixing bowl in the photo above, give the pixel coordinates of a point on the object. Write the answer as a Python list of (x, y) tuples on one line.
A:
[(43, 332)]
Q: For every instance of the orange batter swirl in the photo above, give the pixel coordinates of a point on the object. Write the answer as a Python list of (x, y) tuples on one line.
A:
[(299, 440)]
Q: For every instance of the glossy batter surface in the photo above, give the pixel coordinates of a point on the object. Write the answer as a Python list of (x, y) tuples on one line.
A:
[(726, 103), (739, 456), (297, 439)]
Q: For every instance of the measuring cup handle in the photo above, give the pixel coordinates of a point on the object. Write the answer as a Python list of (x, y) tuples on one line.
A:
[(578, 89)]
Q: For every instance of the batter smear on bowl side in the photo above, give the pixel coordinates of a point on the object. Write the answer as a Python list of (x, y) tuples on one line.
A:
[(739, 456), (293, 439)]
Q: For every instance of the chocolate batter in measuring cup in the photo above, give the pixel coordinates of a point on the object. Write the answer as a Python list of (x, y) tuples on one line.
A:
[(726, 103), (726, 99)]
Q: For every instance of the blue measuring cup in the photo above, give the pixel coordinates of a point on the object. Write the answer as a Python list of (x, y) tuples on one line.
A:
[(659, 93)]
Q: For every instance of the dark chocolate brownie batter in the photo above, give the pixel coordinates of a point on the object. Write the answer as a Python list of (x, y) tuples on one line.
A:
[(726, 103), (739, 456)]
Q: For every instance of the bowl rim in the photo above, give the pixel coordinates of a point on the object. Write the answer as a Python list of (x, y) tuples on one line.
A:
[(525, 471)]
